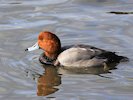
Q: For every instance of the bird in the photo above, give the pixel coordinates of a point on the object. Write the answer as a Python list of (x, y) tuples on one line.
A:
[(72, 56)]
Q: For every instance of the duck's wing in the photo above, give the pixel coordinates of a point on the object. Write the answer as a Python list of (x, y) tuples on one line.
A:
[(88, 56), (78, 54), (82, 51)]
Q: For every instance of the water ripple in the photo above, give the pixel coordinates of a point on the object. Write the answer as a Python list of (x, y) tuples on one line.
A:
[(74, 21)]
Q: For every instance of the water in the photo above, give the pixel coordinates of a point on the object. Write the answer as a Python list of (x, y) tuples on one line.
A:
[(74, 21)]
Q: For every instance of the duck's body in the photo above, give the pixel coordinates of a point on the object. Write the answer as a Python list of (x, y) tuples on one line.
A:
[(74, 55), (82, 56)]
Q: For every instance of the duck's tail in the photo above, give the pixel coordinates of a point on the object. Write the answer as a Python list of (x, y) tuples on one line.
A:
[(123, 58), (113, 58)]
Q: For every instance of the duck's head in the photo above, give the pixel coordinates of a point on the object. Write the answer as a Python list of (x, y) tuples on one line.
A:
[(48, 42)]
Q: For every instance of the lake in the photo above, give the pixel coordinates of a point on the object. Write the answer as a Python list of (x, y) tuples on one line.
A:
[(22, 77)]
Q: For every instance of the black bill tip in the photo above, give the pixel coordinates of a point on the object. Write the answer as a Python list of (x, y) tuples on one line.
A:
[(26, 49)]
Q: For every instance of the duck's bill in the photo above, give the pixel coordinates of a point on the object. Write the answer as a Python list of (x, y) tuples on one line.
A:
[(34, 47)]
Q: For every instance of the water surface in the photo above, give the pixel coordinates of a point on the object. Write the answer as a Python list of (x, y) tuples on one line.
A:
[(74, 21)]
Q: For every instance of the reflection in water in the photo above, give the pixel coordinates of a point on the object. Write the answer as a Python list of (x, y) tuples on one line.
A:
[(46, 82), (89, 70)]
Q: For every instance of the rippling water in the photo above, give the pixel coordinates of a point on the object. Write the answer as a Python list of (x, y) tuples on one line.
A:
[(74, 21)]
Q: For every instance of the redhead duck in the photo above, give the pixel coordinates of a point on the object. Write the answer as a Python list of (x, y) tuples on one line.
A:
[(73, 55)]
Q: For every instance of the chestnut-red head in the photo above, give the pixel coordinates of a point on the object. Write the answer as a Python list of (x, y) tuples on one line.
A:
[(48, 42)]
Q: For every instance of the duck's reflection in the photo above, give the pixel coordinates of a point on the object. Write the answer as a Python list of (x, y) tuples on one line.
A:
[(51, 78), (47, 82)]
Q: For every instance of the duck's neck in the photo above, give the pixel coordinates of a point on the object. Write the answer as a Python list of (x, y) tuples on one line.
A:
[(52, 55)]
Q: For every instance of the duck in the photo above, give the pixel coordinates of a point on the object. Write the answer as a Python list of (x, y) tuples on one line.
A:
[(72, 56)]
